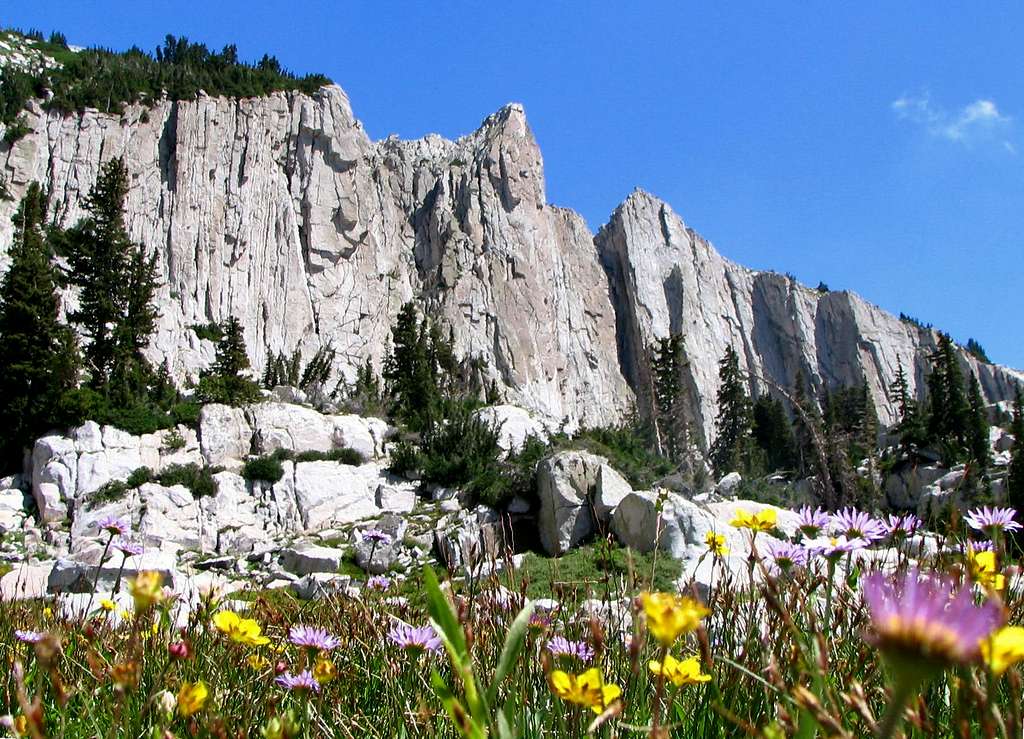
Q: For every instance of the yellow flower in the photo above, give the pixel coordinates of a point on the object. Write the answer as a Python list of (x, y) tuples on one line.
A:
[(763, 521), (984, 570), (241, 630), (669, 615), (1003, 649), (47, 612), (191, 697), (125, 675), (146, 589), (588, 689), (324, 671), (107, 605), (685, 672), (21, 725), (257, 662), (126, 615), (716, 544)]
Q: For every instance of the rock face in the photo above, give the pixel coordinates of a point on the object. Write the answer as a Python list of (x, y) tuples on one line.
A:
[(281, 211), (566, 487)]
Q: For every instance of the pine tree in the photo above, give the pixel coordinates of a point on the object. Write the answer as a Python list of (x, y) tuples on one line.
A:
[(773, 433), (1015, 478), (977, 427), (949, 411), (667, 368), (731, 450), (409, 372), (899, 390), (38, 356), (226, 381)]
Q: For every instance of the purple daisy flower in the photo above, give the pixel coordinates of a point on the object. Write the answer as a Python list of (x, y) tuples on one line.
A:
[(559, 646), (113, 525), (786, 556), (128, 548), (312, 637), (29, 637), (415, 638), (303, 681), (377, 536), (982, 545), (540, 620), (992, 519), (854, 524), (812, 522), (378, 582), (921, 616), (834, 547), (897, 526)]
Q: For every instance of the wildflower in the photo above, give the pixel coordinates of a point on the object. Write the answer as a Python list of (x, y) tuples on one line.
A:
[(786, 556), (257, 662), (834, 547), (899, 526), (984, 570), (1003, 649), (191, 697), (128, 548), (108, 605), (113, 525), (587, 689), (812, 522), (147, 589), (669, 615), (125, 675), (415, 639), (324, 670), (376, 536), (539, 621), (166, 703), (241, 630), (559, 646), (992, 520), (378, 582), (312, 637), (21, 725), (178, 650), (29, 637), (47, 612), (303, 681), (716, 544), (854, 524), (918, 619), (762, 521), (679, 673)]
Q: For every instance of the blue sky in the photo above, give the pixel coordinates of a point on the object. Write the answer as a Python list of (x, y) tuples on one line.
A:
[(875, 146)]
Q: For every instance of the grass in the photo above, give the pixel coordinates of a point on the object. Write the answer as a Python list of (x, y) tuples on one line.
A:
[(598, 569)]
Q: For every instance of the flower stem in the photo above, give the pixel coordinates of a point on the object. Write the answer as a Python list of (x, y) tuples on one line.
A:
[(902, 692)]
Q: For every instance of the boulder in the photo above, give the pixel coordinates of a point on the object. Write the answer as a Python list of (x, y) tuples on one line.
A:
[(288, 394), (224, 434), (25, 582), (13, 509), (397, 497), (470, 539), (376, 557), (364, 435), (171, 518), (74, 575), (54, 476), (328, 494), (612, 488), (727, 486), (1001, 441), (515, 425), (320, 585), (566, 483), (306, 559), (292, 427), (242, 515), (906, 483)]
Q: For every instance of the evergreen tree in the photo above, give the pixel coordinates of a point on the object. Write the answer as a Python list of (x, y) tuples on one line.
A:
[(899, 391), (37, 353), (1015, 479), (773, 433), (806, 423), (732, 448), (948, 408), (227, 382), (671, 421), (409, 372), (977, 427)]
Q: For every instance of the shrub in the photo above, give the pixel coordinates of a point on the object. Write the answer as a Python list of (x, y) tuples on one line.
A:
[(15, 131), (140, 476), (266, 469), (405, 458), (208, 331), (174, 441), (627, 449), (342, 455), (186, 413), (197, 479), (113, 490), (462, 451)]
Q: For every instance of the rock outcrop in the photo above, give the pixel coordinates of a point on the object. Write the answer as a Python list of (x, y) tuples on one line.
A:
[(282, 212)]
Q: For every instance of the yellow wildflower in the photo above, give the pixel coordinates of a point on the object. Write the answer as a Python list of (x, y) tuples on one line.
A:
[(21, 725), (984, 569), (47, 612), (684, 672), (324, 671), (587, 689), (147, 589), (125, 675), (716, 544), (670, 615), (191, 697), (241, 630), (257, 662), (1003, 649), (763, 521), (107, 604)]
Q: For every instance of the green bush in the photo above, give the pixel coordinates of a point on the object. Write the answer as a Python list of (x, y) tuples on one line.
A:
[(140, 476), (627, 448), (174, 441), (186, 413), (405, 458), (343, 455), (15, 131), (197, 479), (208, 331), (462, 451), (113, 490), (266, 469)]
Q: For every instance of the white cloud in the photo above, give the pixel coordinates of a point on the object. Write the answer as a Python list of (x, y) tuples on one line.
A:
[(978, 121)]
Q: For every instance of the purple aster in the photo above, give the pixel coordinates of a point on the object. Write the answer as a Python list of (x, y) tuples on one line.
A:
[(113, 525), (856, 524), (981, 545), (377, 536), (539, 620), (128, 548), (834, 547), (897, 526), (920, 616), (786, 556), (29, 637), (303, 681), (312, 637), (985, 519), (378, 582), (812, 522), (559, 646), (415, 638)]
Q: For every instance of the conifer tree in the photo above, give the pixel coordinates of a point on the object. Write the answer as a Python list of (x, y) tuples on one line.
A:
[(409, 372), (732, 448), (37, 353), (667, 368), (773, 433), (948, 409), (1015, 478), (977, 427), (226, 381), (899, 391)]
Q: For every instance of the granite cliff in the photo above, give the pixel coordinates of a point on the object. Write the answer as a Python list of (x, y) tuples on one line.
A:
[(281, 211)]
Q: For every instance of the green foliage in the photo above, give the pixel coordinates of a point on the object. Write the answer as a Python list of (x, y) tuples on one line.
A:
[(733, 448), (977, 427), (975, 349), (179, 70), (198, 479), (822, 288), (174, 441), (599, 570), (140, 476), (628, 448), (135, 415), (773, 433), (915, 322), (365, 395), (462, 451), (343, 455), (948, 415), (1015, 478), (208, 331), (410, 375), (281, 371), (16, 130), (186, 413), (38, 355), (266, 469), (405, 458), (670, 405), (226, 382)]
